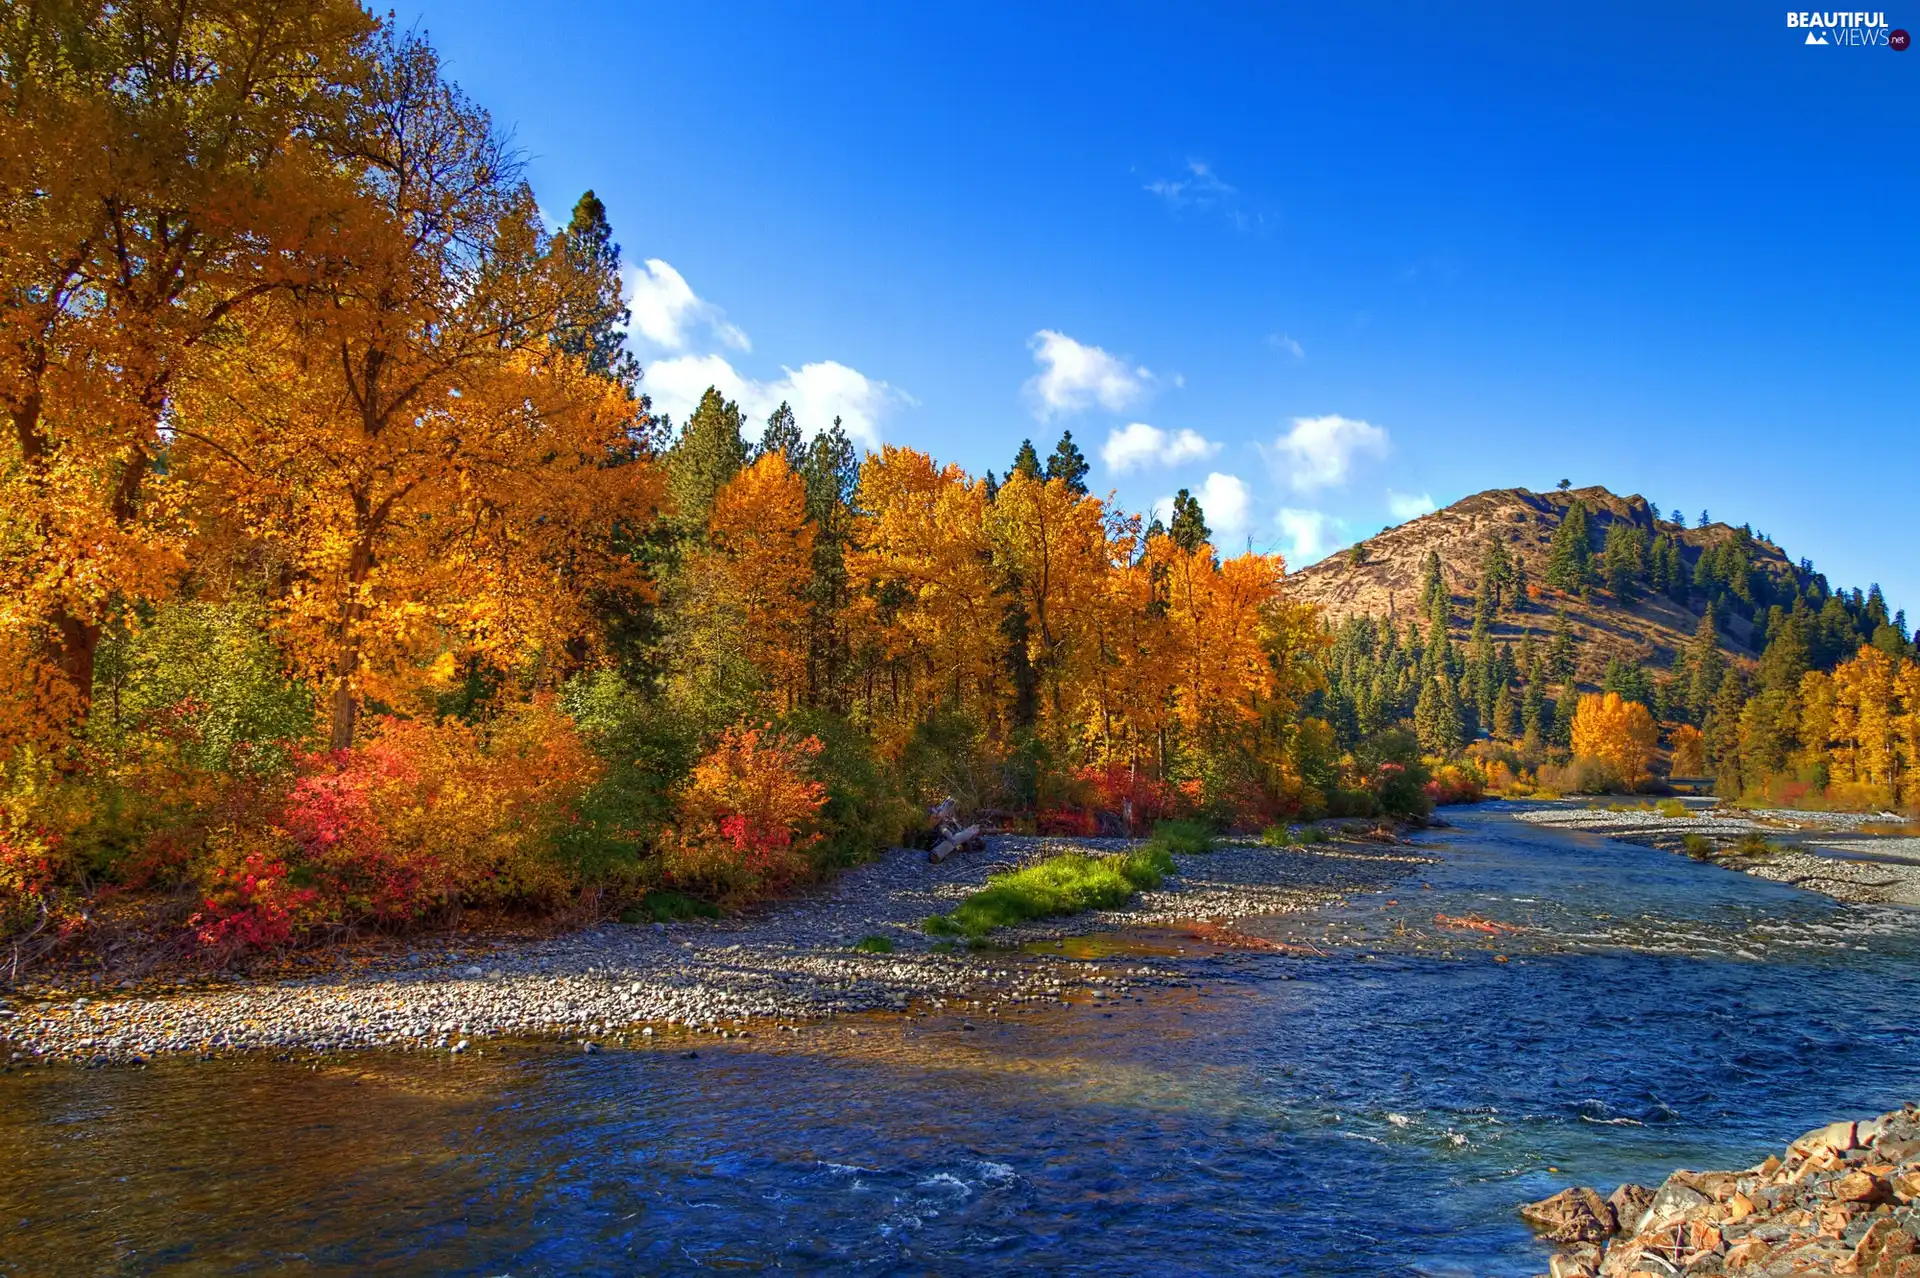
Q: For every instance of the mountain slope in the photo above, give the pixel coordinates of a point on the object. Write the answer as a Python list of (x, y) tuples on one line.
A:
[(1383, 575)]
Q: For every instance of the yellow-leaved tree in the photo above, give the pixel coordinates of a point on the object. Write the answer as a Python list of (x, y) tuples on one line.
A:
[(440, 477), (165, 167), (1620, 732)]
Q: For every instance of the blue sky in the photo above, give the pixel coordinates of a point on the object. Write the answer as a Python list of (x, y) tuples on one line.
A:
[(1325, 264)]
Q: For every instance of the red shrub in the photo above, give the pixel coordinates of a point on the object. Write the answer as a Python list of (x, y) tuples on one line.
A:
[(747, 815)]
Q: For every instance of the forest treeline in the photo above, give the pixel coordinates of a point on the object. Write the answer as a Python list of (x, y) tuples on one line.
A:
[(1818, 701), (351, 581)]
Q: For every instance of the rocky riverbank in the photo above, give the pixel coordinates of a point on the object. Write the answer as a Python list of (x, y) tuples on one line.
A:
[(1828, 853), (1842, 1199), (789, 961)]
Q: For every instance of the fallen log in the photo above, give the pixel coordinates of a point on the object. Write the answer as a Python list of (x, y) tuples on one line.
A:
[(953, 843)]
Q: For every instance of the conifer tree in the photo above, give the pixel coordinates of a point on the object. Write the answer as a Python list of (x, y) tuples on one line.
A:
[(1026, 461), (1436, 715), (1569, 555), (708, 453), (1505, 723), (592, 324), (1189, 526), (782, 435), (1705, 666), (1435, 602), (1562, 663), (1067, 463)]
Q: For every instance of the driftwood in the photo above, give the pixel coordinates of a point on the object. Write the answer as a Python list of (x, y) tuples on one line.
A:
[(955, 842)]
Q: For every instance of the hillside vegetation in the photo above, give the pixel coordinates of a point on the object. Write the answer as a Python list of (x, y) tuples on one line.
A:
[(1488, 626)]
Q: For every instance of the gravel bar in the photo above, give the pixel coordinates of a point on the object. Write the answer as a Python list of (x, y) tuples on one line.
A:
[(788, 961), (1822, 852)]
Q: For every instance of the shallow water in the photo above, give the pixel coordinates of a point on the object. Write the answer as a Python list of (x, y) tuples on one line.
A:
[(1374, 1100)]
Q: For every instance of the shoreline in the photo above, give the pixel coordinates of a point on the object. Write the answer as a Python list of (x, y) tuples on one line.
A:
[(1844, 1198), (788, 961), (1820, 852)]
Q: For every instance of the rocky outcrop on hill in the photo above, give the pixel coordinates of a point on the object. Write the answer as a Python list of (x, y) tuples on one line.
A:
[(1844, 1199)]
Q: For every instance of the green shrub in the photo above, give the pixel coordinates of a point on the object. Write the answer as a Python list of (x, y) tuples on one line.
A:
[(1065, 884), (1276, 836), (668, 907), (1698, 846), (864, 812), (874, 945), (1673, 808), (1182, 838)]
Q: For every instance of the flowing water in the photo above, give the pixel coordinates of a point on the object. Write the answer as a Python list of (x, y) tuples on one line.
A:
[(1373, 1099)]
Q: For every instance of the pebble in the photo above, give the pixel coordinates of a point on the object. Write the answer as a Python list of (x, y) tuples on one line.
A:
[(786, 962)]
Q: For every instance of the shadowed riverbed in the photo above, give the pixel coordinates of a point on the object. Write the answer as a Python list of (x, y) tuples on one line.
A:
[(1374, 1099)]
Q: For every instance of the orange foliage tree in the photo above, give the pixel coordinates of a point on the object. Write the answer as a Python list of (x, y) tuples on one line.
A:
[(164, 168), (761, 560), (1620, 732), (439, 476)]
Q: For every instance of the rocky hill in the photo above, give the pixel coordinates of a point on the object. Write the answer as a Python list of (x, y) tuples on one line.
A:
[(1383, 575)]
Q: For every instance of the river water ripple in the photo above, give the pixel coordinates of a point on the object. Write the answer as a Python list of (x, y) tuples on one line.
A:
[(1373, 1099)]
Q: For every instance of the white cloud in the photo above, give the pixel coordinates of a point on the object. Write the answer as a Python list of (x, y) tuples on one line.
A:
[(818, 392), (1405, 506), (1310, 534), (1200, 187), (1074, 377), (1281, 342), (1138, 444), (666, 311), (1226, 501), (1320, 452)]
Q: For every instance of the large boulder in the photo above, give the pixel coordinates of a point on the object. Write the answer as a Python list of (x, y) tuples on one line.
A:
[(1629, 1203), (1571, 1216)]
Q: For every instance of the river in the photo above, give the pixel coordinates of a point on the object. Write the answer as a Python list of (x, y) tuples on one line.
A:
[(1374, 1100)]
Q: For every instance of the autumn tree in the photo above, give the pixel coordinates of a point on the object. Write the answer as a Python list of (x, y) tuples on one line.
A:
[(163, 168), (1622, 733), (761, 563), (443, 477)]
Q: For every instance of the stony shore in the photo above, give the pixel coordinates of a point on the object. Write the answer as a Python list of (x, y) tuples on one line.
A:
[(789, 961), (1842, 1199), (1822, 852)]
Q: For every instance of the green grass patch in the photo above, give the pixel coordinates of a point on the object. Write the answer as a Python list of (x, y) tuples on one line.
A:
[(1283, 836), (1673, 808), (668, 907), (1698, 846), (1059, 885), (873, 945), (1182, 838)]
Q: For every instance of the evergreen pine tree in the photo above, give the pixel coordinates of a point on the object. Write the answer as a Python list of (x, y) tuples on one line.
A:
[(1026, 461), (1189, 525), (1568, 556), (1436, 715), (1705, 666), (1068, 464), (782, 435), (1533, 704), (1435, 602), (1505, 724), (1562, 663), (1560, 732), (592, 321), (708, 453)]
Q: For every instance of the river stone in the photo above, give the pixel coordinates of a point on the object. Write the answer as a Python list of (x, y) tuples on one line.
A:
[(1837, 1137), (1629, 1203), (1571, 1216), (1675, 1198)]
